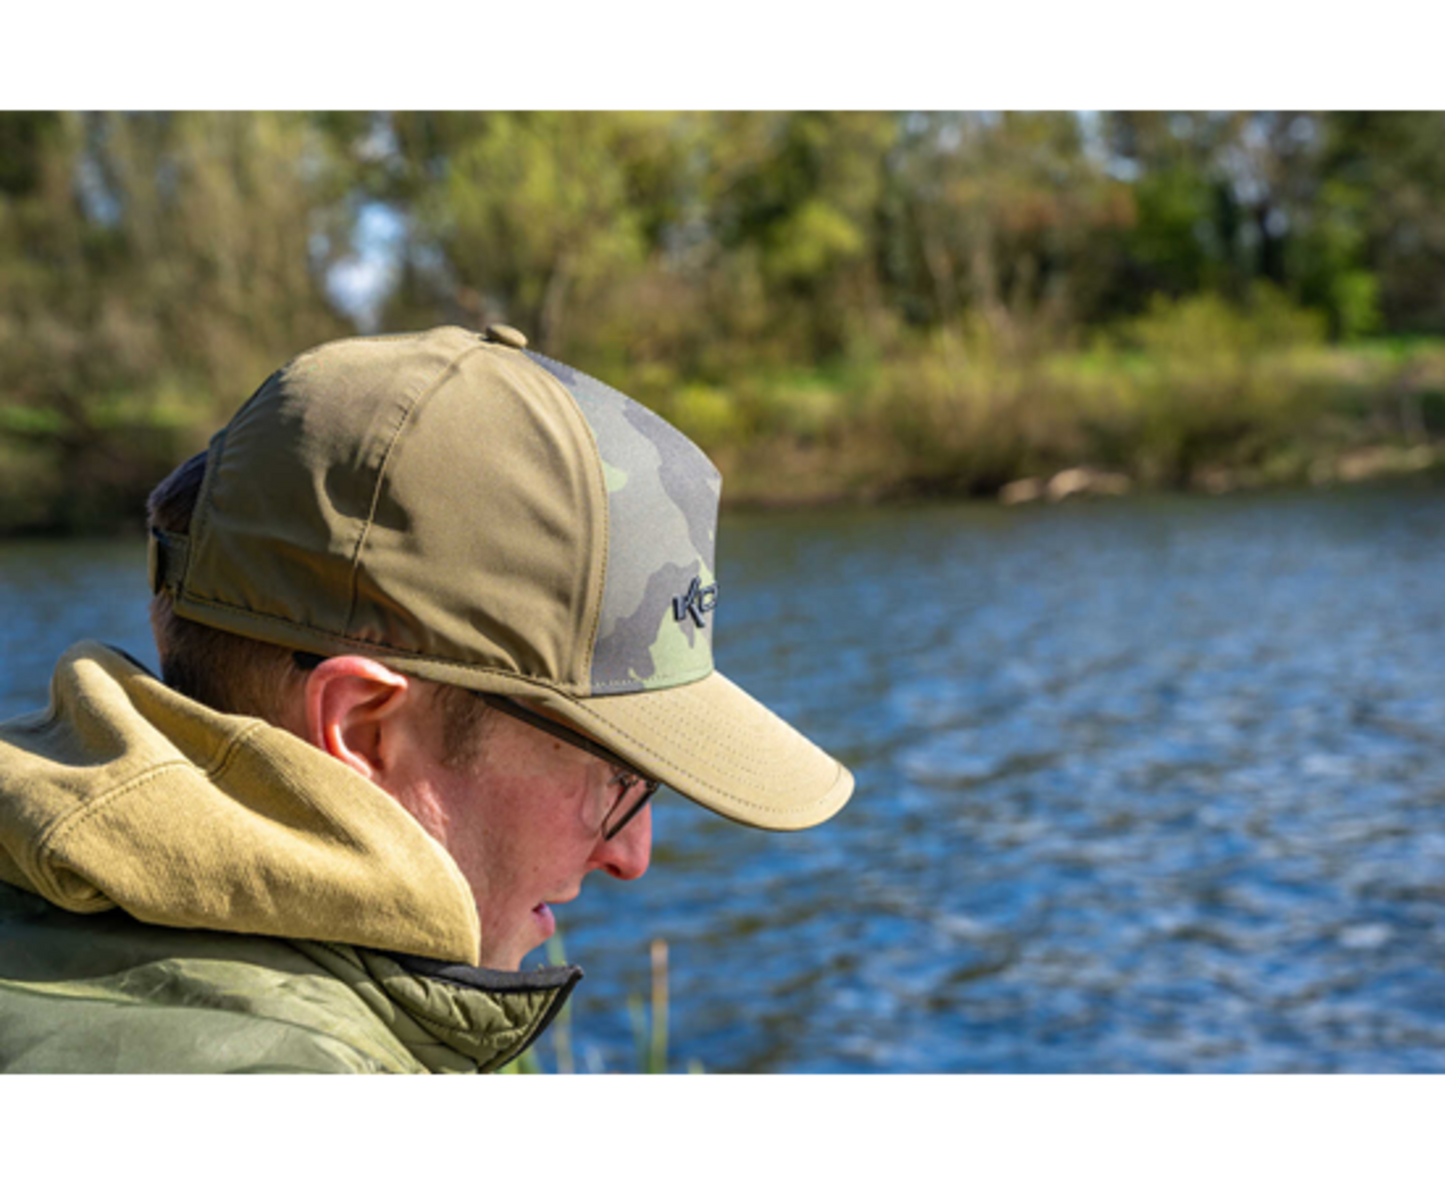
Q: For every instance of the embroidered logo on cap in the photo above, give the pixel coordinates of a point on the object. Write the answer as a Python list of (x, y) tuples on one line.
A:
[(699, 599)]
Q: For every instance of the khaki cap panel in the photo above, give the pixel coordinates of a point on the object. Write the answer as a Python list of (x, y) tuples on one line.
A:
[(275, 537), (488, 569), (394, 532)]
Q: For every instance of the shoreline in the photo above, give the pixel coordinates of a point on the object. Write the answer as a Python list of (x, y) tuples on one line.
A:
[(1375, 464), (1370, 464)]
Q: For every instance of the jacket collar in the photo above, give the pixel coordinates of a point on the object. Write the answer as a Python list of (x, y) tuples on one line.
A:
[(452, 1017)]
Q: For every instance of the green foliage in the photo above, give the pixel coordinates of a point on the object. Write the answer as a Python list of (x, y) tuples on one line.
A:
[(707, 415), (815, 237), (1170, 244), (141, 256), (1355, 299), (1202, 328), (837, 303), (1213, 383), (536, 212)]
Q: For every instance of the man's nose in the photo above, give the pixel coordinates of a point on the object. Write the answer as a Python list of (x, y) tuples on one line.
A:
[(627, 855)]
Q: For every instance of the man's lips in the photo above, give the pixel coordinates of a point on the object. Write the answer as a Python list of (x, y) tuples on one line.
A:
[(543, 910)]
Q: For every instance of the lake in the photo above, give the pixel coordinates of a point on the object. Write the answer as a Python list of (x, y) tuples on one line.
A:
[(1145, 785)]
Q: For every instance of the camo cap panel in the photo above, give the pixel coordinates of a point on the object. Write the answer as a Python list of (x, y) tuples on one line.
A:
[(662, 497)]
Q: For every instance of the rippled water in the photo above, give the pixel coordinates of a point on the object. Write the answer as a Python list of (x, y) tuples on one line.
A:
[(1155, 785)]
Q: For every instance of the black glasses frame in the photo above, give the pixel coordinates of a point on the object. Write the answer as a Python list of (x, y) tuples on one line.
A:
[(309, 661), (567, 735)]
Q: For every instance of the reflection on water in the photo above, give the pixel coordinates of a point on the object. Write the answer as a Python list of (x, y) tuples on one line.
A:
[(1152, 785)]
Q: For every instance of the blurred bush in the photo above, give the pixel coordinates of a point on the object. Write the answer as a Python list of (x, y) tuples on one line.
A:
[(837, 304)]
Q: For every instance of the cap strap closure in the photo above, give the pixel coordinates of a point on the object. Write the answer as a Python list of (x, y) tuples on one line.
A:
[(166, 556)]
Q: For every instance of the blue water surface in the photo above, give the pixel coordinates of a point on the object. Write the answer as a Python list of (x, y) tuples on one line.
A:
[(1148, 785)]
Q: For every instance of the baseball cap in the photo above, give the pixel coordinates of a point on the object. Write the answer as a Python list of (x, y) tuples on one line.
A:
[(467, 510)]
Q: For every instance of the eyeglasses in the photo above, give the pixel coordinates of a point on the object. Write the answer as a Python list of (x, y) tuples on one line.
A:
[(625, 777)]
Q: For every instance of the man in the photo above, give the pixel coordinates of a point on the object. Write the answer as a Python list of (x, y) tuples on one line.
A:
[(435, 616)]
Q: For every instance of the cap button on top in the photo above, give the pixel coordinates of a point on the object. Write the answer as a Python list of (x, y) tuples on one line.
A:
[(505, 334)]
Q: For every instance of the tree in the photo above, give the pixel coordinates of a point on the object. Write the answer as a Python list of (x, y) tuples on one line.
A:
[(154, 267)]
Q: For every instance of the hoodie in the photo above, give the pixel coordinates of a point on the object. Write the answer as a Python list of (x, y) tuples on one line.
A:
[(195, 891)]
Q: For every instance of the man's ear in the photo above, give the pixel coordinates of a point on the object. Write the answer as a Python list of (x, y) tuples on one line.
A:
[(352, 704)]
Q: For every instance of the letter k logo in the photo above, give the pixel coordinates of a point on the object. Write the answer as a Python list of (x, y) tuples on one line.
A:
[(699, 599)]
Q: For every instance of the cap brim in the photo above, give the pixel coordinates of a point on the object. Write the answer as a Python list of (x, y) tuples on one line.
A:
[(721, 748)]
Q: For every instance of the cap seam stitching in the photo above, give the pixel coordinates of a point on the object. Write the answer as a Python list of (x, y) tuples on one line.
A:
[(381, 472), (197, 529), (600, 483)]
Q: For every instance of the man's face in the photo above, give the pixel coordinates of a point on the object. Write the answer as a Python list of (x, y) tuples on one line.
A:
[(522, 821)]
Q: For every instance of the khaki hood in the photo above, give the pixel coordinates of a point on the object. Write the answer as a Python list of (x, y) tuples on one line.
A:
[(127, 794)]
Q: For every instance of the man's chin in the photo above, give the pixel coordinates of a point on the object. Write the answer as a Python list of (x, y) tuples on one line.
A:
[(536, 930)]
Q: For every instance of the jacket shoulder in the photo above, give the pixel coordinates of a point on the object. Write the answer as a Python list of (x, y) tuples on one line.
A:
[(106, 993)]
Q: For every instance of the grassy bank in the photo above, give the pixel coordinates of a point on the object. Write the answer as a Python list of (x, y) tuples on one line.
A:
[(1194, 395)]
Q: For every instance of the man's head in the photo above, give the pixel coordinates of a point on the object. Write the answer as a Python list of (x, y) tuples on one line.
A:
[(523, 813), (430, 515)]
